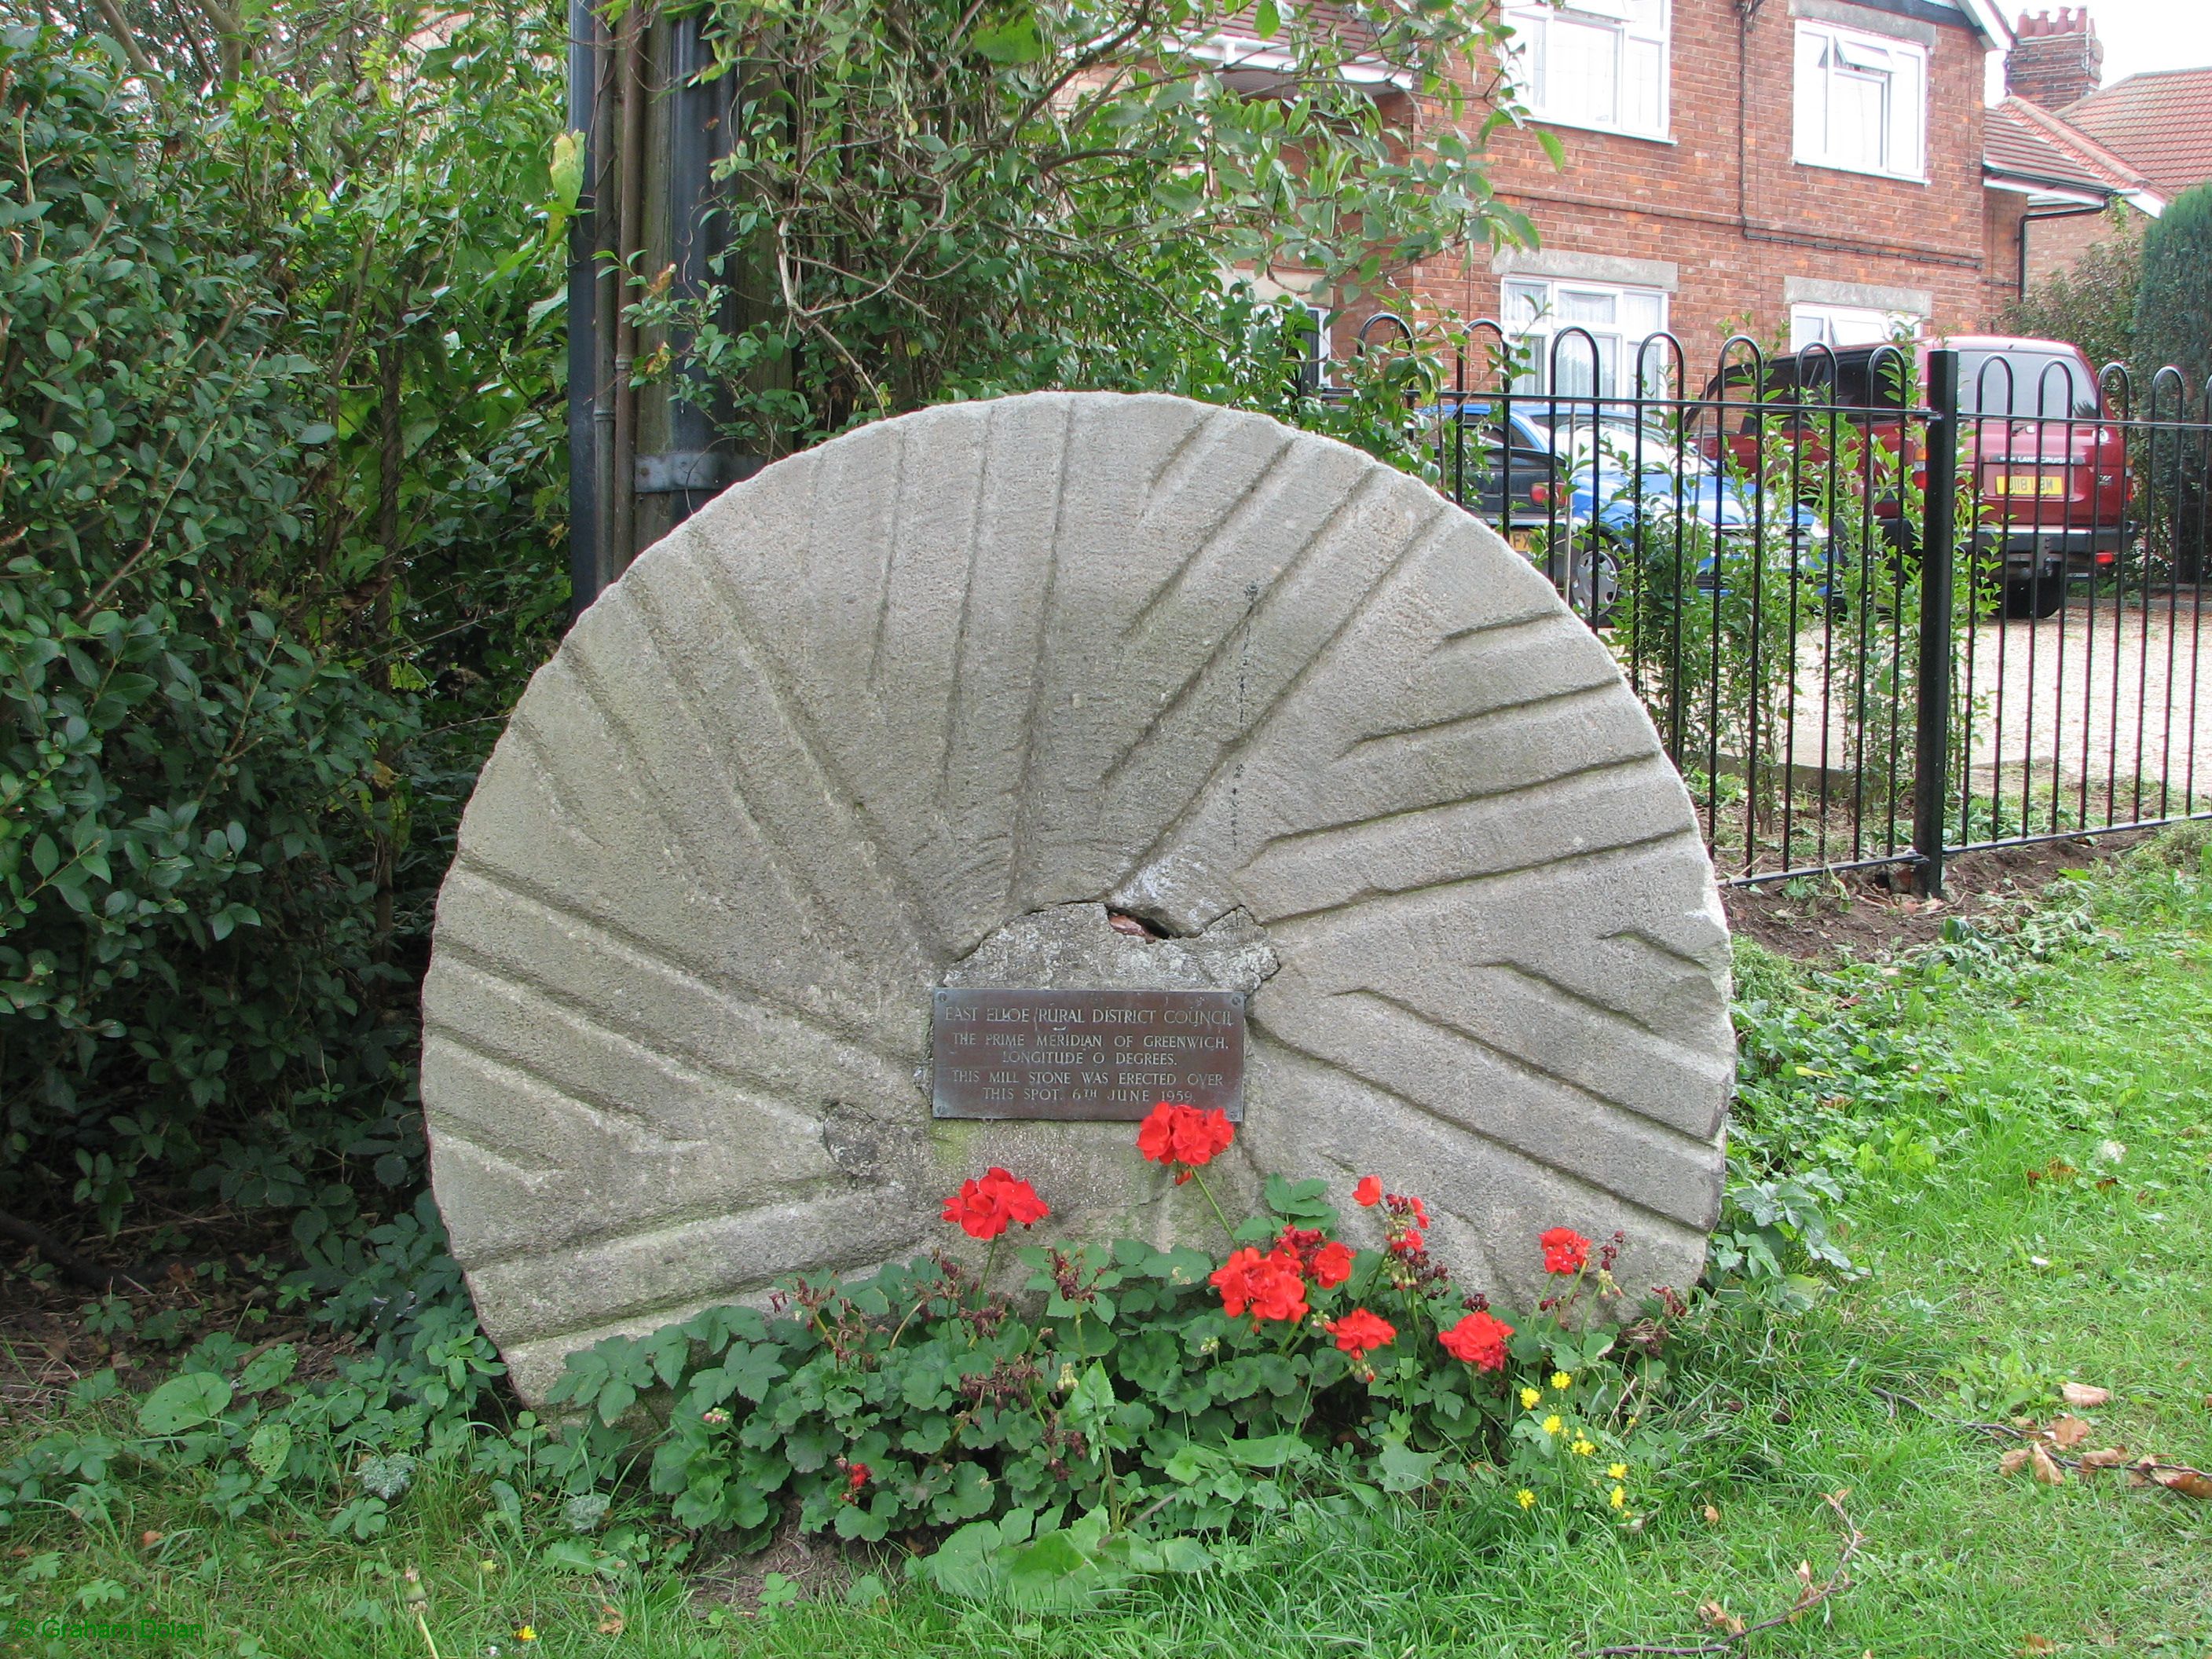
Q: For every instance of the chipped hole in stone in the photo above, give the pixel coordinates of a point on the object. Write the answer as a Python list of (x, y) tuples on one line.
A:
[(1136, 927)]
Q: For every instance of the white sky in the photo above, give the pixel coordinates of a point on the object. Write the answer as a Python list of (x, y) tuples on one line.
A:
[(2138, 34)]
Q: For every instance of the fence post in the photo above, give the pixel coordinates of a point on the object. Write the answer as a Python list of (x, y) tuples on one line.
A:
[(1932, 725)]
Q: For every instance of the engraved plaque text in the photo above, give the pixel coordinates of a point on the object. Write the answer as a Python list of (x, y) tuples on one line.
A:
[(1109, 1055)]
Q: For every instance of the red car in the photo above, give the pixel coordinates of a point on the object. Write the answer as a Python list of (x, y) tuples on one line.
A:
[(2049, 469)]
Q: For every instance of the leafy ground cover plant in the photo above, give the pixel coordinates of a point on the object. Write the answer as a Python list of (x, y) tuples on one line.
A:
[(1107, 1405)]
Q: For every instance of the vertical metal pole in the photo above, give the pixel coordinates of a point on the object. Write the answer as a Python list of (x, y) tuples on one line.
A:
[(584, 506), (621, 510), (1932, 737), (696, 471)]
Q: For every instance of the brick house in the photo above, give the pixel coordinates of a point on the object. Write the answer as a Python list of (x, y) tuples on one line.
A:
[(2054, 193), (2083, 160), (1795, 170)]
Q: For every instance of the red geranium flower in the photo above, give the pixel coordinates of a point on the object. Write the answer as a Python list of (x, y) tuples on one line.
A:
[(984, 1208), (1270, 1286), (1360, 1332), (1480, 1340), (1369, 1192), (1564, 1250), (1184, 1136), (1320, 1257), (1331, 1265)]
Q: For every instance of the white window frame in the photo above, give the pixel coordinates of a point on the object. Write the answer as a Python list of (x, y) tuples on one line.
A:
[(1839, 326), (1317, 366), (1546, 293), (1830, 58), (1642, 34)]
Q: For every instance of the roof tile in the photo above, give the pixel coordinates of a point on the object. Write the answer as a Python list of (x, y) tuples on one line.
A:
[(2159, 122), (2022, 138)]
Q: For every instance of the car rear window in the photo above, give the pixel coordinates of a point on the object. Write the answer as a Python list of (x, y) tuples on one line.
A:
[(2027, 386), (1862, 378), (1851, 380)]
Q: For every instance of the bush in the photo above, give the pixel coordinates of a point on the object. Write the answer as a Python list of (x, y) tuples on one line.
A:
[(1050, 197), (2092, 303), (2174, 329), (245, 659)]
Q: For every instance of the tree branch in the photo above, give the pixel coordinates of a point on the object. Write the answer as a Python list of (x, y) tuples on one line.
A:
[(119, 26), (81, 1270)]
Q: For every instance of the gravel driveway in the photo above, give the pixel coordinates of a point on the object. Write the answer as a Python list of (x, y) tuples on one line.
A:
[(2118, 699), (2113, 702)]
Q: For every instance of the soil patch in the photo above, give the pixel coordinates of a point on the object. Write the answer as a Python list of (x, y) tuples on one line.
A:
[(1871, 914), (215, 1273), (820, 1568)]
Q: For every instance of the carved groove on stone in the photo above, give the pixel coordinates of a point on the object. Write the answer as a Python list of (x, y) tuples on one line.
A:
[(647, 956), (1457, 886), (1243, 739)]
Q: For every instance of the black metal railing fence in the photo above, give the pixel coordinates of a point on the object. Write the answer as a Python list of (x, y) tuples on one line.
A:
[(1881, 603)]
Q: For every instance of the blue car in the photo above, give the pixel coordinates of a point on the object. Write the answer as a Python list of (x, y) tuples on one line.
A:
[(1584, 485)]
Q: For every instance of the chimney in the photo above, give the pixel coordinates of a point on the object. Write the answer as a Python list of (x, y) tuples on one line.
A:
[(2057, 59)]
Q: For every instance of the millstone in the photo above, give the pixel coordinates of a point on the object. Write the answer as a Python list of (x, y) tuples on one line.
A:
[(960, 698)]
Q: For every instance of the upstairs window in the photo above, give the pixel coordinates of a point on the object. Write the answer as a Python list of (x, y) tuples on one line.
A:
[(1861, 102), (1597, 64)]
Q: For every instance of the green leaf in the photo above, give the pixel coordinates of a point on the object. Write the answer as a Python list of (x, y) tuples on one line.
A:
[(1270, 1452), (270, 1370), (753, 1372), (1015, 40), (270, 1448), (567, 171), (184, 1402), (1178, 1553), (1266, 19), (1400, 1468), (617, 1397)]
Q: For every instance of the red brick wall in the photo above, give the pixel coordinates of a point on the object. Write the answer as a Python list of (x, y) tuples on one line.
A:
[(2053, 245), (2007, 208), (1739, 216)]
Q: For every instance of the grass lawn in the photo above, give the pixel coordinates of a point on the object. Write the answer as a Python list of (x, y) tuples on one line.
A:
[(1985, 1290)]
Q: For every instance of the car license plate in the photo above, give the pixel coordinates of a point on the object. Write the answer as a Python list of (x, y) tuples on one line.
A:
[(2029, 484), (1520, 541)]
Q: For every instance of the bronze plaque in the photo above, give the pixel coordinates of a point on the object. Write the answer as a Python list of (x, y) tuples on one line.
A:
[(1111, 1055)]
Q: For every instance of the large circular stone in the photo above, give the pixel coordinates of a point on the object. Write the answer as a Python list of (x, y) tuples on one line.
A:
[(908, 710)]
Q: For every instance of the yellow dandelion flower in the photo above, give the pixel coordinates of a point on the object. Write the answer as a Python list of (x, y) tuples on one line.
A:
[(1582, 1448), (1620, 1497), (1525, 1498), (1529, 1397), (524, 1634), (1617, 1471), (1563, 1380), (1553, 1424)]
